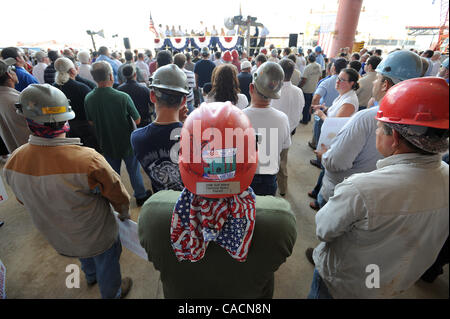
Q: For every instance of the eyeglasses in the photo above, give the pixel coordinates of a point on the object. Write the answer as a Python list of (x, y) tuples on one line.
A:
[(342, 80), (11, 68)]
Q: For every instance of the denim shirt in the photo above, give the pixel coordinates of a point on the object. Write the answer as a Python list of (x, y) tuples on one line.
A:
[(24, 78)]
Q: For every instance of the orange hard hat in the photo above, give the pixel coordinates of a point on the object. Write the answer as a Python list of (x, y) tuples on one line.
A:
[(227, 56), (418, 101), (218, 156)]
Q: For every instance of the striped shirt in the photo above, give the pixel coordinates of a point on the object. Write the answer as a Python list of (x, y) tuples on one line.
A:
[(191, 84)]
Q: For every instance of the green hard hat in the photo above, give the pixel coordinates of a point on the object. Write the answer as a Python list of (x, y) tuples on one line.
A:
[(44, 103), (268, 79), (170, 77)]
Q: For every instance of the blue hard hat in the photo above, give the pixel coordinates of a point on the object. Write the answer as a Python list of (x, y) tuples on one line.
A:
[(401, 65), (318, 49), (445, 63)]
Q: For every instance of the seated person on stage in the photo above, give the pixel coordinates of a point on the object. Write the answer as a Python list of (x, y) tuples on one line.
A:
[(224, 241)]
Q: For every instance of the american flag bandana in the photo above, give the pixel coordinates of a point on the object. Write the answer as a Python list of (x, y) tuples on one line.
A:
[(197, 220)]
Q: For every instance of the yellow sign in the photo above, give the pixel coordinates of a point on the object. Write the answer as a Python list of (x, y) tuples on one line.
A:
[(358, 46), (54, 110)]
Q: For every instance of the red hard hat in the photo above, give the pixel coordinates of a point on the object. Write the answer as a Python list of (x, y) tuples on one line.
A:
[(227, 56), (264, 51), (235, 54), (218, 156), (419, 101)]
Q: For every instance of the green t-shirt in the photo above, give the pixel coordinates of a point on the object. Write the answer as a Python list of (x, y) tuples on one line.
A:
[(112, 112), (217, 274)]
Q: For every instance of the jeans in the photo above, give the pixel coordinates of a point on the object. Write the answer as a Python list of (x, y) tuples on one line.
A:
[(105, 269), (320, 200), (318, 288), (307, 108), (264, 184), (316, 189), (317, 128), (134, 171)]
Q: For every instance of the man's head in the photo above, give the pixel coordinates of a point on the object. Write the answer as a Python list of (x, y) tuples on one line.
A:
[(425, 66), (443, 71), (12, 52), (217, 55), (41, 57), (436, 56), (53, 55), (227, 57), (260, 59), (292, 57), (128, 56), (129, 71), (141, 56), (169, 87), (339, 65), (45, 105), (413, 118), (102, 73), (246, 66), (396, 67), (355, 65), (8, 75), (288, 67), (83, 57), (378, 52), (179, 60), (267, 82), (205, 52), (428, 54), (286, 51), (312, 58), (318, 50), (163, 58), (65, 69), (195, 53), (364, 57), (103, 51), (355, 57), (68, 53), (372, 63), (227, 121)]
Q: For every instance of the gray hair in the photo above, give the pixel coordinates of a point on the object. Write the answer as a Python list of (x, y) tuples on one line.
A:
[(83, 57), (62, 67), (101, 71)]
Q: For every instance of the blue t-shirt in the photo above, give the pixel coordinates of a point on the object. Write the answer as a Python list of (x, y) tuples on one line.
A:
[(204, 69), (153, 148), (24, 78)]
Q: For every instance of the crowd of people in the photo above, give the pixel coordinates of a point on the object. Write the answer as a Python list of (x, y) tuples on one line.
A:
[(68, 120)]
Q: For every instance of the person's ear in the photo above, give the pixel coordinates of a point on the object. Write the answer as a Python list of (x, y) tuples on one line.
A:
[(251, 88), (153, 96), (396, 138)]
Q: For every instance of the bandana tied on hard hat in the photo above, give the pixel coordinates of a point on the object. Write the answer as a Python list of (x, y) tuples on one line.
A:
[(228, 221), (46, 131)]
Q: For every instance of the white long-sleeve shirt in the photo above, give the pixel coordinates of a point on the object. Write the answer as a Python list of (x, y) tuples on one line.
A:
[(395, 218), (291, 103), (38, 72), (353, 151)]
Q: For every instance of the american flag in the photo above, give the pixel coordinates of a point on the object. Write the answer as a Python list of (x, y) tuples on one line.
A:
[(152, 26), (227, 221)]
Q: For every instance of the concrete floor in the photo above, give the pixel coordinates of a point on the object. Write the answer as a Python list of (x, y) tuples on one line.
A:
[(35, 270)]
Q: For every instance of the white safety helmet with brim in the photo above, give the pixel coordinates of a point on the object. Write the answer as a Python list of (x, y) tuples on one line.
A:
[(44, 103), (268, 80), (170, 77)]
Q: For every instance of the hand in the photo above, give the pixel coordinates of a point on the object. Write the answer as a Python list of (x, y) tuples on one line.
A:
[(182, 115), (320, 114), (323, 149), (318, 107)]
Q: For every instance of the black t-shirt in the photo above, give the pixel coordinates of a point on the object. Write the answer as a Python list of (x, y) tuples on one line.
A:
[(204, 69), (245, 78), (153, 146), (76, 92), (140, 96)]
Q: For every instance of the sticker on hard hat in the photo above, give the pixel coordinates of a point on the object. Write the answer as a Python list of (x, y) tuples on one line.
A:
[(205, 188), (54, 110), (220, 164)]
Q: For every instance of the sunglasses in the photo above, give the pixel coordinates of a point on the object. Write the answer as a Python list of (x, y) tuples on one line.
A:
[(11, 68)]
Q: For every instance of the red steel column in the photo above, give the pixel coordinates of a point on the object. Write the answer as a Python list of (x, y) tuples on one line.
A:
[(346, 24)]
